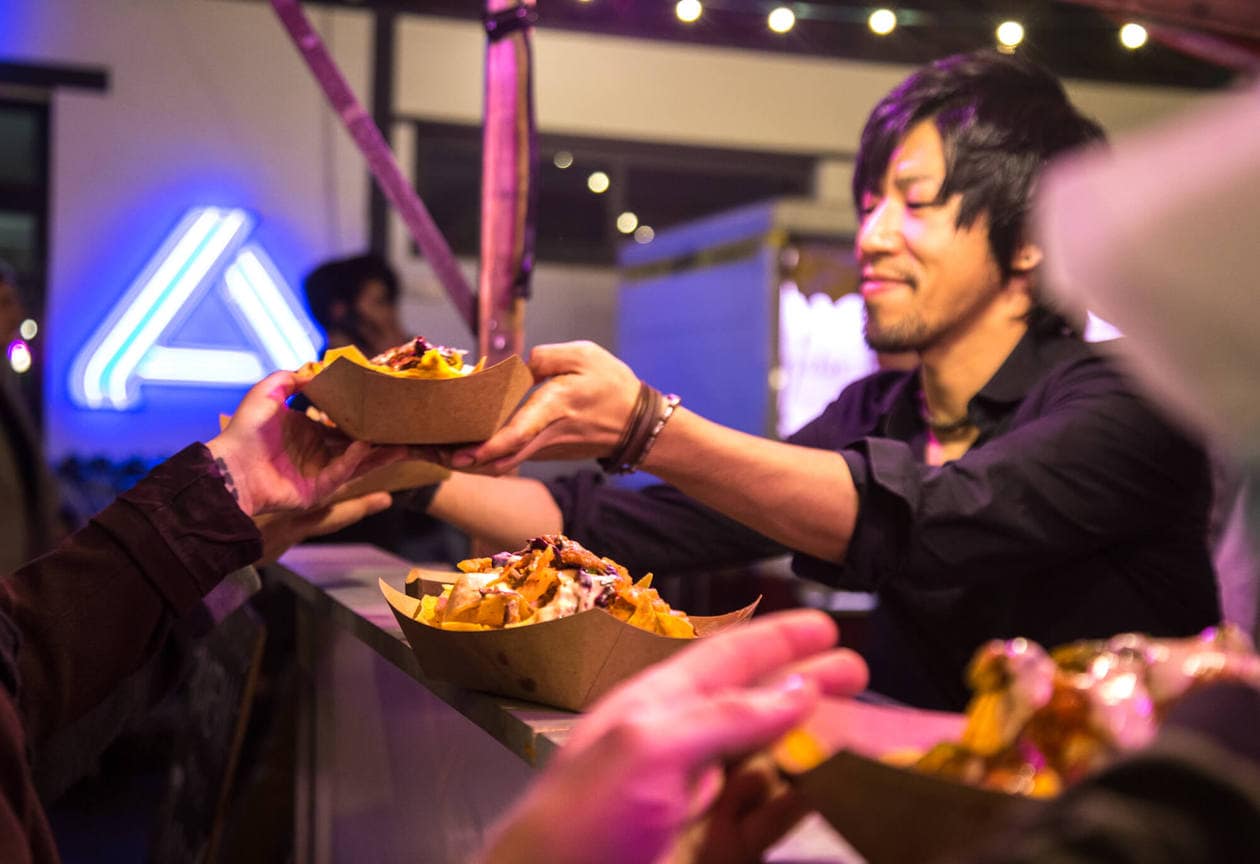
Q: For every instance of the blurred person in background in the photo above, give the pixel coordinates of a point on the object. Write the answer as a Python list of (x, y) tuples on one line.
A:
[(28, 495), (355, 301)]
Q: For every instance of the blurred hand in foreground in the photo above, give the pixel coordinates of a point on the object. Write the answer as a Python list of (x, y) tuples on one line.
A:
[(647, 763), (275, 459), (578, 411)]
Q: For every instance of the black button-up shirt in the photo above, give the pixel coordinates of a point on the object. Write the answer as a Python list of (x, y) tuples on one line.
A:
[(1079, 512)]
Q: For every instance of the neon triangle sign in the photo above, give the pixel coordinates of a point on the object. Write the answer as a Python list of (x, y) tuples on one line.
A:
[(208, 250)]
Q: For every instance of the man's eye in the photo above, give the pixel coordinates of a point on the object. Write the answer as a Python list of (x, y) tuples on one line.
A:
[(919, 205)]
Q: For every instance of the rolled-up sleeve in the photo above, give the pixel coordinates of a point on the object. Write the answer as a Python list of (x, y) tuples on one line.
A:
[(93, 610)]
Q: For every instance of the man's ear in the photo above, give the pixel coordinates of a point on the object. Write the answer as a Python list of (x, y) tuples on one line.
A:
[(1026, 258)]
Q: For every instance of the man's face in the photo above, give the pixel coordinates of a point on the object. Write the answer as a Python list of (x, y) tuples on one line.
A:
[(10, 312), (377, 317), (923, 277)]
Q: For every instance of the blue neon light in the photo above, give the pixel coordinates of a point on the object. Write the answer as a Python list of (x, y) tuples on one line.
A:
[(202, 253)]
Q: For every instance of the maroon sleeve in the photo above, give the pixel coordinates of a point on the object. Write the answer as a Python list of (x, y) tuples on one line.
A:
[(92, 611)]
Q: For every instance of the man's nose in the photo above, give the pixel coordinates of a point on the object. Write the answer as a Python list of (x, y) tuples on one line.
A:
[(880, 231)]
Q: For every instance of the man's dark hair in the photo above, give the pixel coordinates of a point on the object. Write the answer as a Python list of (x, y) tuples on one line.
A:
[(1001, 118), (341, 281)]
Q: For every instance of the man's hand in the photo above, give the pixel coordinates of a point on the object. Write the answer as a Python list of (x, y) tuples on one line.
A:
[(583, 403), (274, 459), (648, 761), (283, 530)]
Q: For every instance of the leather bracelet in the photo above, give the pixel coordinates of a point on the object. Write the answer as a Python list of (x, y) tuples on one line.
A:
[(636, 432), (671, 404), (642, 431), (612, 461)]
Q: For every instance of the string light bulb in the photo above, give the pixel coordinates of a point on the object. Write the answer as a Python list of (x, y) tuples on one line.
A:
[(1133, 36), (627, 222), (882, 22), (598, 182), (19, 356), (1009, 35), (781, 19), (688, 11)]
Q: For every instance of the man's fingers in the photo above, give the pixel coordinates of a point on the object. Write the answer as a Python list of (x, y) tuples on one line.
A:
[(732, 723), (734, 658), (380, 456), (750, 652), (546, 361), (839, 672), (279, 385), (526, 425), (339, 471), (343, 513), (767, 824)]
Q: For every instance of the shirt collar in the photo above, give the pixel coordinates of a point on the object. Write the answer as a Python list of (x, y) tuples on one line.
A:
[(1023, 367), (1017, 374)]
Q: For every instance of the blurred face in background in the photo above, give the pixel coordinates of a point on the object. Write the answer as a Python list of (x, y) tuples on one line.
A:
[(377, 318)]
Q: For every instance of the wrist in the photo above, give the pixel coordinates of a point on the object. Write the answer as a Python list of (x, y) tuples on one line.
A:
[(230, 469), (651, 412)]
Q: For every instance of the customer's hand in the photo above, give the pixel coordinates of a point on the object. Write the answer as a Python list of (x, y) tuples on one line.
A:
[(648, 761), (280, 531), (275, 459), (583, 403)]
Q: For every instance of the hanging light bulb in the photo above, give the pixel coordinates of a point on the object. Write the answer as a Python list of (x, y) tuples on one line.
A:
[(882, 22), (781, 19), (1133, 36), (688, 11), (598, 182), (1009, 35)]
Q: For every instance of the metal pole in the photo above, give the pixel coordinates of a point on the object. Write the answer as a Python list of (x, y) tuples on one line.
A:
[(508, 183), (380, 157)]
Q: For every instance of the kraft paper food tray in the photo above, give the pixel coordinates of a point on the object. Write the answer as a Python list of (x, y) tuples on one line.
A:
[(385, 409), (569, 662), (892, 814), (410, 474)]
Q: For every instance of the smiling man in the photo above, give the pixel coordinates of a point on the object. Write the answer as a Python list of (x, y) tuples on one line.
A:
[(1013, 485)]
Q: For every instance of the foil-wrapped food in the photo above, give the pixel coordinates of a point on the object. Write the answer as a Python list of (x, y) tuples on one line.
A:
[(1040, 721)]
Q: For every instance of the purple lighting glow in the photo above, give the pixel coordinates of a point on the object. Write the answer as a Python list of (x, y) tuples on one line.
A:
[(19, 354)]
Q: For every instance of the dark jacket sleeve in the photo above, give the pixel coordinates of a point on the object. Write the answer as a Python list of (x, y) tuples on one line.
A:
[(91, 612), (660, 529)]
